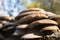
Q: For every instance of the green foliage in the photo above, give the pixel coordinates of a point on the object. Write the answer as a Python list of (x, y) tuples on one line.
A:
[(53, 6), (33, 5)]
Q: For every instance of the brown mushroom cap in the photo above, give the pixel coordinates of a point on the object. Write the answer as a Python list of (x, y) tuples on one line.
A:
[(7, 18), (49, 29), (32, 17), (25, 14), (50, 14), (43, 21), (56, 18), (8, 26), (30, 36), (22, 26), (30, 11), (4, 22), (3, 18), (58, 21)]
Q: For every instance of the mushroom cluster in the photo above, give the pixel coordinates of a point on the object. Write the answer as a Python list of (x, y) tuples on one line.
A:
[(30, 24)]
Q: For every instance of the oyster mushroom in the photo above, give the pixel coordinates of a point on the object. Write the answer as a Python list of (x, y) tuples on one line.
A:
[(43, 21), (32, 17), (49, 30), (6, 18), (50, 14), (22, 26), (30, 36), (30, 11), (56, 18)]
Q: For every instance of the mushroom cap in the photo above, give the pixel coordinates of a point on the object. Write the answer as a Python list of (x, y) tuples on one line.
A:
[(58, 21), (30, 36), (50, 14), (40, 22), (3, 18), (25, 14), (8, 26), (32, 17), (49, 30), (30, 11), (22, 26), (4, 22), (7, 18), (56, 18)]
